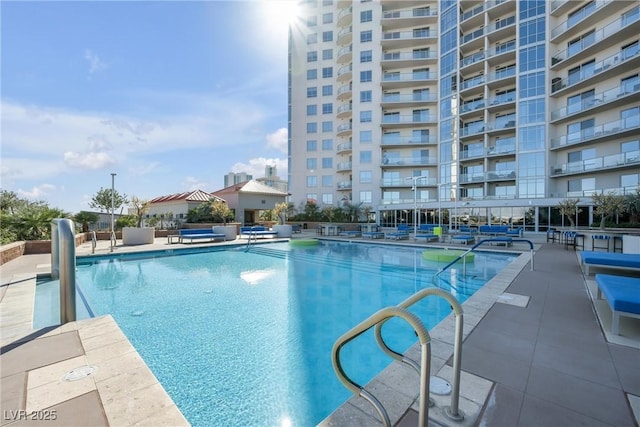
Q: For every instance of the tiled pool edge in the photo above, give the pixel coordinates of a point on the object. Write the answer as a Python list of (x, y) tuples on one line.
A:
[(397, 385), (129, 392)]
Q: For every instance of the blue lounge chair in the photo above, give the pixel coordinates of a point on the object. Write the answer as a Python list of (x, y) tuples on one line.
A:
[(397, 235), (427, 237), (373, 235), (609, 260), (622, 295), (463, 238)]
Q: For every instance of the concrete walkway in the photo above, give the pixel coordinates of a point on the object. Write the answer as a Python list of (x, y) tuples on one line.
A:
[(539, 348)]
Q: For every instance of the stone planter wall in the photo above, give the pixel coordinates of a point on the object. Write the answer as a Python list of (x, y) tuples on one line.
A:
[(137, 236)]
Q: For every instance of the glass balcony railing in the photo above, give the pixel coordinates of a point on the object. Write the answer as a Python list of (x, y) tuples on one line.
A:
[(472, 106), (405, 201), (597, 99), (503, 73), (503, 122), (472, 177), (409, 77), (344, 12), (497, 50), (345, 50), (344, 89), (472, 82), (345, 184), (472, 59), (344, 166), (346, 146), (606, 129), (620, 191), (409, 35), (507, 174), (503, 98), (598, 36), (511, 20), (503, 146), (344, 108), (345, 69), (415, 13), (471, 13), (471, 153), (580, 16), (405, 182), (345, 31), (410, 161), (345, 127), (408, 118), (611, 161), (472, 129), (409, 56), (394, 139), (409, 97), (472, 35)]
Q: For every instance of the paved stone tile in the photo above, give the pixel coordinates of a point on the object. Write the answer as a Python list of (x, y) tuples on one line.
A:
[(538, 412), (134, 406), (502, 408), (12, 394), (47, 395), (85, 410), (54, 372)]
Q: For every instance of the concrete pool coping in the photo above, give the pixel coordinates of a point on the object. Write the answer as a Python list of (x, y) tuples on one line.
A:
[(15, 330)]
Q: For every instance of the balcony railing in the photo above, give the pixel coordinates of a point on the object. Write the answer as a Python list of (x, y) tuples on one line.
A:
[(472, 82), (471, 13), (344, 166), (497, 175), (404, 182), (504, 122), (472, 35), (344, 127), (409, 97), (574, 19), (344, 108), (342, 185), (345, 146), (409, 35), (415, 13), (599, 131), (408, 140), (597, 99), (472, 106), (409, 56), (409, 77), (503, 146), (502, 73), (472, 177), (620, 191), (472, 59), (606, 162), (345, 69), (344, 89), (472, 130), (410, 161), (598, 36), (405, 201), (503, 98), (511, 20), (408, 118)]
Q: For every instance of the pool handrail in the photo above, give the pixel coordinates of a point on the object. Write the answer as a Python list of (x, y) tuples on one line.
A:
[(94, 242), (452, 412), (425, 360), (63, 266)]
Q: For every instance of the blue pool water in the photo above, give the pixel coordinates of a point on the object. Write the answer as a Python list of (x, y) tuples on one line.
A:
[(244, 338)]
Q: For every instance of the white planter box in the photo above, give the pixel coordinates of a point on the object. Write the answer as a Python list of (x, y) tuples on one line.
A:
[(137, 236), (230, 231), (631, 244), (285, 230)]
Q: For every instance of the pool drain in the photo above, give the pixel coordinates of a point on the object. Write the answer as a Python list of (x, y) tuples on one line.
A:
[(79, 373), (439, 386)]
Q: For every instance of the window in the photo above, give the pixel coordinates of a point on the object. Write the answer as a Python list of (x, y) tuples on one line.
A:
[(327, 90), (630, 117), (630, 146), (580, 101), (312, 145), (327, 72), (312, 197), (312, 92), (366, 16), (327, 198), (312, 56), (581, 72), (420, 115), (365, 96), (312, 110), (327, 36), (366, 177), (531, 111), (580, 43), (531, 164), (366, 197), (312, 164), (312, 74), (366, 36), (366, 56), (581, 13), (327, 108), (327, 126), (365, 76), (581, 187), (327, 144), (531, 58), (532, 84), (312, 38), (532, 31), (580, 130), (312, 21), (312, 181), (366, 137), (327, 180), (631, 16), (630, 50), (630, 84), (365, 116), (327, 54), (630, 182), (421, 136), (327, 162), (327, 18), (531, 138), (312, 127), (365, 157)]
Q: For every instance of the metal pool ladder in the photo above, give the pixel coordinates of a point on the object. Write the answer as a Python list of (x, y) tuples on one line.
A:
[(377, 320)]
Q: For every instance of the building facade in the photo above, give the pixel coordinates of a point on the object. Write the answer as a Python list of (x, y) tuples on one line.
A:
[(236, 178), (464, 111)]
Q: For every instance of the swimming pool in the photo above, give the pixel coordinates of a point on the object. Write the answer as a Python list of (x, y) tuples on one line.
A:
[(244, 338)]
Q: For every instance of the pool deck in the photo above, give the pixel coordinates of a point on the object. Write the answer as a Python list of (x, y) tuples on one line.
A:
[(536, 352)]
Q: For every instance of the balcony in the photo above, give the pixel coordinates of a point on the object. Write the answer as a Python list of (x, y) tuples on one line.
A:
[(407, 39), (503, 123), (468, 107), (471, 177), (409, 161), (601, 100), (501, 175), (345, 73), (631, 158), (472, 130), (620, 191), (500, 29), (395, 140), (399, 100), (400, 80), (502, 100), (473, 35), (345, 111), (344, 129), (473, 82), (407, 59), (405, 183), (345, 185), (609, 34), (502, 147), (578, 17), (344, 17), (407, 202), (474, 58), (344, 148), (617, 128), (499, 77), (466, 15), (345, 92), (408, 18), (345, 55), (344, 167), (345, 36), (397, 120)]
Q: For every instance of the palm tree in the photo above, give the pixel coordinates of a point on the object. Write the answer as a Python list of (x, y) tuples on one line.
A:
[(85, 218)]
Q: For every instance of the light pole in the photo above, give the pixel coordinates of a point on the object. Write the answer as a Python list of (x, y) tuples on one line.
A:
[(415, 199), (113, 231)]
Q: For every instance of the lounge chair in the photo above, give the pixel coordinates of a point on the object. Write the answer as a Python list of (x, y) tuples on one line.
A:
[(427, 237), (609, 260), (373, 235), (397, 235), (622, 295), (463, 238), (351, 233)]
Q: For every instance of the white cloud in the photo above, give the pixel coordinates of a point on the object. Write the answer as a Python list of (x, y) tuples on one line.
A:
[(278, 140), (37, 192), (90, 160), (95, 64), (256, 167), (144, 169), (191, 183)]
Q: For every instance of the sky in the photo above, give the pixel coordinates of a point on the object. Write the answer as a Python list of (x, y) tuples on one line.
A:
[(168, 95)]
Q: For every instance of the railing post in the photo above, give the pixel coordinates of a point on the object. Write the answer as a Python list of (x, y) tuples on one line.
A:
[(63, 266)]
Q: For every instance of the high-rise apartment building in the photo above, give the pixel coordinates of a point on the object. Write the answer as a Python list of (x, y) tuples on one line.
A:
[(236, 178), (489, 112)]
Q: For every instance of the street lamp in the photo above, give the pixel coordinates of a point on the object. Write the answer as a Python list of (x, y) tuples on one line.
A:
[(113, 232), (414, 188)]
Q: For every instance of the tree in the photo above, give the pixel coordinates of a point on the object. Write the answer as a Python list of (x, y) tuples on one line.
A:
[(126, 221), (220, 211), (10, 202), (367, 211), (352, 211), (311, 211), (85, 218), (102, 200), (201, 213), (282, 211), (632, 206), (141, 207), (569, 208), (607, 206)]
